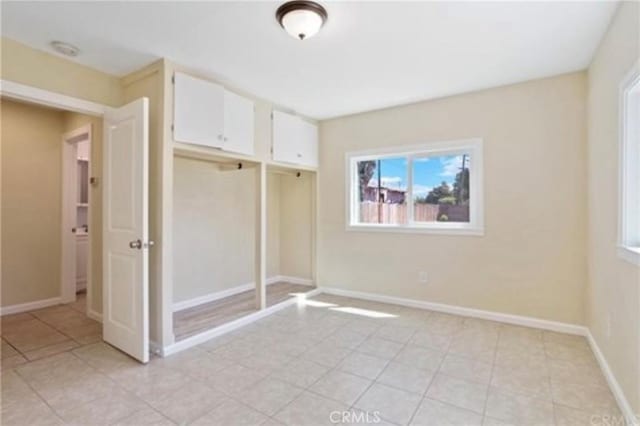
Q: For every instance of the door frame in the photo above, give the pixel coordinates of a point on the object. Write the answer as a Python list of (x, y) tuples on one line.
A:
[(25, 93), (69, 216)]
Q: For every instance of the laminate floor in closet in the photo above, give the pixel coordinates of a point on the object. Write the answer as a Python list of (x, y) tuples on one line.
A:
[(189, 322)]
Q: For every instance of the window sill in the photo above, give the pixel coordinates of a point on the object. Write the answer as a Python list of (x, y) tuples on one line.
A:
[(461, 230), (630, 254)]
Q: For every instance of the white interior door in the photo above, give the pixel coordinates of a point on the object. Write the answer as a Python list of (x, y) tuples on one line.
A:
[(125, 317)]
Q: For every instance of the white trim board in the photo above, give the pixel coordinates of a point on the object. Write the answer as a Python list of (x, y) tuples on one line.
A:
[(467, 312), (631, 418), (93, 314), (228, 327), (29, 306), (294, 280), (22, 92), (196, 301)]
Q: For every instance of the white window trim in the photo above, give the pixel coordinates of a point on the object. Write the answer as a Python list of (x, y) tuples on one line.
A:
[(629, 176), (473, 146)]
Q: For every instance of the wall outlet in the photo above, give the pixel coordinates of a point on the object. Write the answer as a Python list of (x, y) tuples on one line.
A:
[(422, 277)]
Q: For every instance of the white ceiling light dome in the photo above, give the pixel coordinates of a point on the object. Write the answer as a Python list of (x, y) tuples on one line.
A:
[(301, 19)]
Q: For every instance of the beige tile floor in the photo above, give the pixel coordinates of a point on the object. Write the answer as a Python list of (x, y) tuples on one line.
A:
[(358, 360), (46, 332)]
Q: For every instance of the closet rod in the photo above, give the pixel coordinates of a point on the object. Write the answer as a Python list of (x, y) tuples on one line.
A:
[(240, 165), (286, 173)]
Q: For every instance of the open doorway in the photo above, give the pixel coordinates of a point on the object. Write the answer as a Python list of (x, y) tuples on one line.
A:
[(46, 196), (76, 215)]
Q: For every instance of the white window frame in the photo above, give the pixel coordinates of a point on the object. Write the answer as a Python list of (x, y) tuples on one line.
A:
[(475, 226), (629, 167)]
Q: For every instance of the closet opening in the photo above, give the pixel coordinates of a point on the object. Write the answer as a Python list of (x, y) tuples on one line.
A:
[(215, 216), (290, 232)]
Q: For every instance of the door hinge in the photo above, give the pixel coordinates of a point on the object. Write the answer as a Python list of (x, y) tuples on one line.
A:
[(173, 79), (172, 128)]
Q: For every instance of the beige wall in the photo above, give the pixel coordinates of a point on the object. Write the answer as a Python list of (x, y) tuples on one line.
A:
[(531, 260), (213, 228), (25, 65), (614, 285), (32, 184), (73, 121), (31, 202), (296, 225)]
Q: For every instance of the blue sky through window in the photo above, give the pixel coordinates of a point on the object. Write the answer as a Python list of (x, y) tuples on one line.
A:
[(428, 172)]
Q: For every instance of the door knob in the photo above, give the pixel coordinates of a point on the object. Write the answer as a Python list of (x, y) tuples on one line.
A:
[(137, 244)]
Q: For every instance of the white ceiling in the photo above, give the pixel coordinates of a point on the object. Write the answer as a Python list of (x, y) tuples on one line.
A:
[(369, 55)]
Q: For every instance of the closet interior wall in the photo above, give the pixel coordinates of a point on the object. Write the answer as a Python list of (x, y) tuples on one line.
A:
[(213, 229), (291, 214)]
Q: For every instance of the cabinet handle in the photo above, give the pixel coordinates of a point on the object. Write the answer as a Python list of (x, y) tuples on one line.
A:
[(219, 137), (299, 155), (225, 139)]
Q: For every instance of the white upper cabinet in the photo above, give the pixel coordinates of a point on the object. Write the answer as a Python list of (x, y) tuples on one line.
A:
[(238, 124), (207, 114), (198, 111), (294, 140)]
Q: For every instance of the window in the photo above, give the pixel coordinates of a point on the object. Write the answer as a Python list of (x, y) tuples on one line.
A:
[(435, 187), (629, 200)]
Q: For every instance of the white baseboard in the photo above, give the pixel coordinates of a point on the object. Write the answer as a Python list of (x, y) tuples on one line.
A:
[(198, 339), (190, 303), (30, 306), (467, 312), (631, 418), (94, 315), (295, 280)]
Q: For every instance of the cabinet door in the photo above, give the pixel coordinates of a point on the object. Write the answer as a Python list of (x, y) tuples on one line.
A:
[(238, 124), (285, 135), (294, 140), (308, 141), (198, 111)]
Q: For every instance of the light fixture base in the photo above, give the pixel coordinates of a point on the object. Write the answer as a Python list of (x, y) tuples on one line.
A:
[(65, 49)]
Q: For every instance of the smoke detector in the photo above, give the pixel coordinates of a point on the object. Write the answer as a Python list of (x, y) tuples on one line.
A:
[(65, 49)]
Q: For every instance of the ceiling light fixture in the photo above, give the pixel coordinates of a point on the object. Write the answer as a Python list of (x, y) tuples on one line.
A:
[(65, 48), (301, 19)]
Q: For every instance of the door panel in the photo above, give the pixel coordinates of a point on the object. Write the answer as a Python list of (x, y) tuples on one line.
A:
[(285, 138), (309, 144), (125, 319), (238, 124), (294, 140), (198, 114)]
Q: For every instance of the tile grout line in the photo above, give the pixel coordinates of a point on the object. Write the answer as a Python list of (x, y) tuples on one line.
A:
[(493, 367), (433, 378)]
